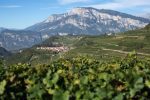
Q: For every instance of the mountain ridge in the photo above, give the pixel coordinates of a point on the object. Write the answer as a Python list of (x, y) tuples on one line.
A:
[(4, 52), (18, 39), (81, 20), (87, 20)]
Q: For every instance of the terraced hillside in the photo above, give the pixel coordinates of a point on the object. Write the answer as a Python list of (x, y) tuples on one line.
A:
[(101, 47)]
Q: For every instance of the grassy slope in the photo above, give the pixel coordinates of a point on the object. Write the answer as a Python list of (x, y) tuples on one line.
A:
[(100, 47), (108, 47)]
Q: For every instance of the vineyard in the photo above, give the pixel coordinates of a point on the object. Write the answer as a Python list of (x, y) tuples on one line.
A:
[(101, 47), (77, 79)]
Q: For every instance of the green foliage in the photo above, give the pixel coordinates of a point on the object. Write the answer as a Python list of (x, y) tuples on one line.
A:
[(2, 87), (78, 78), (132, 45)]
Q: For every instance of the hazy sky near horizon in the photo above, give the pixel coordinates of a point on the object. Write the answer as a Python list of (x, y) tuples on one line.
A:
[(20, 14)]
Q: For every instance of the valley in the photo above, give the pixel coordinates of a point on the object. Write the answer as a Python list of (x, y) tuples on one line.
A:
[(102, 48), (83, 53), (94, 67)]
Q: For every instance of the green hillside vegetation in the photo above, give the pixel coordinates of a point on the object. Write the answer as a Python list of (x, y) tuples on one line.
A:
[(94, 68), (101, 48), (34, 56)]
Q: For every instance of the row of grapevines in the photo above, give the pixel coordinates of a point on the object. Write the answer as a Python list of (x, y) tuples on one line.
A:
[(78, 78)]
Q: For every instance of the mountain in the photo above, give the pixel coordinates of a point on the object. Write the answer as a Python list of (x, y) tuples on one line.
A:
[(147, 15), (83, 20), (90, 21), (1, 29), (4, 52), (18, 39)]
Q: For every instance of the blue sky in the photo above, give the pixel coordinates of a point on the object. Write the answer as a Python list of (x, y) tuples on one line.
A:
[(23, 13)]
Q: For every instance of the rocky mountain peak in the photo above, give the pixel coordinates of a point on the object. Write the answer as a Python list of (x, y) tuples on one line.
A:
[(53, 17), (80, 11), (87, 20)]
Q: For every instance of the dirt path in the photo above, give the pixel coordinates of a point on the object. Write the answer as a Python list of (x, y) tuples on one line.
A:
[(125, 52)]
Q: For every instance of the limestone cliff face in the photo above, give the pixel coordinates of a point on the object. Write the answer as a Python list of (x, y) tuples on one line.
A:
[(89, 21)]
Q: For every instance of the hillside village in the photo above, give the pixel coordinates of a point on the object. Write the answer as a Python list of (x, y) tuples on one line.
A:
[(54, 49)]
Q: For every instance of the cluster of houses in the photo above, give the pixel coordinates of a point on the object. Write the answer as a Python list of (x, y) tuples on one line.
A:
[(54, 49)]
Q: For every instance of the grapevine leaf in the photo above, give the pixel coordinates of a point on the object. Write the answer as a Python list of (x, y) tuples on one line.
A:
[(2, 86)]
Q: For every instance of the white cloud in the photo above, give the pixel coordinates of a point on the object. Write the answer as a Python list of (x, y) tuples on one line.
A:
[(63, 2), (122, 4), (11, 6)]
